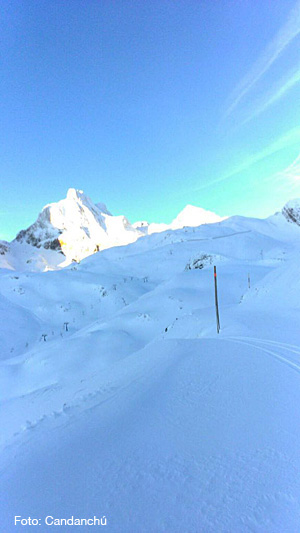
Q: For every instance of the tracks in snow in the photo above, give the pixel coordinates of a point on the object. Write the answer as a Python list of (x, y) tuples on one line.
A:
[(221, 236), (268, 346)]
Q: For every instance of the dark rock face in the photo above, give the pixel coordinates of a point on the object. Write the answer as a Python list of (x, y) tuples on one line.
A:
[(52, 245), (41, 234), (3, 248), (291, 212), (29, 237), (44, 241), (199, 262), (21, 235)]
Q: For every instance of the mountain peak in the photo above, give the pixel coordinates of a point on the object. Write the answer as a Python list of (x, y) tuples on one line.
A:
[(74, 194), (76, 227), (192, 215)]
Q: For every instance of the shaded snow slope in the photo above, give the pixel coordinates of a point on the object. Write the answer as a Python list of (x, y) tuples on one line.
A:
[(133, 407), (187, 435)]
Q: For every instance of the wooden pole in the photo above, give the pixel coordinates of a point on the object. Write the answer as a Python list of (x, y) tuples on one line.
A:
[(216, 300)]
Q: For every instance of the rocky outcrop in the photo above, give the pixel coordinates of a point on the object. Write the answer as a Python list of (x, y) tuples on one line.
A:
[(291, 211)]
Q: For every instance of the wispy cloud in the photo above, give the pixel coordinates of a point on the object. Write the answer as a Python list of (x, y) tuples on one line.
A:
[(291, 138), (289, 178), (279, 91), (287, 33), (293, 170)]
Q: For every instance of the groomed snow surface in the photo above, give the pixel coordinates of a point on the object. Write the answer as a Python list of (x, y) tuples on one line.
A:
[(133, 408)]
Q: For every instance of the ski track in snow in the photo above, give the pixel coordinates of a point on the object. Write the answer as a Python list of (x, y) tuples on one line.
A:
[(220, 236), (250, 341), (282, 345)]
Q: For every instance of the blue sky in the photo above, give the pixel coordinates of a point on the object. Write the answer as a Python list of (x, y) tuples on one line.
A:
[(149, 106)]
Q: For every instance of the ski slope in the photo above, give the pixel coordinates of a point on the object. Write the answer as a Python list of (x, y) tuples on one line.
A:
[(139, 411)]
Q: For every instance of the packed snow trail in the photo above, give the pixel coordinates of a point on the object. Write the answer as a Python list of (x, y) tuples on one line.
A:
[(180, 443)]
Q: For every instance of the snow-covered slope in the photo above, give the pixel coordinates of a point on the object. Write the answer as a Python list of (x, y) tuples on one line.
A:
[(120, 399)]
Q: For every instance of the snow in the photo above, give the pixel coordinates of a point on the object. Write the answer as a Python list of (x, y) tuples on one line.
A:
[(67, 231), (75, 228), (194, 216), (190, 216), (138, 410), (102, 207)]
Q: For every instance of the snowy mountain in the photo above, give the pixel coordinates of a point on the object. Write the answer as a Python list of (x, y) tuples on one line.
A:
[(67, 231), (75, 228), (119, 397), (190, 216), (194, 216)]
